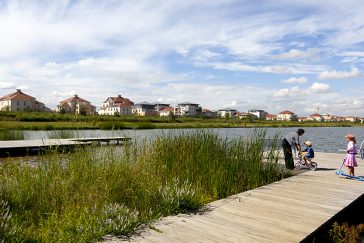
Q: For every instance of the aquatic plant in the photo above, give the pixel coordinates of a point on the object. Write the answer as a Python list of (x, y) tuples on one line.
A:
[(6, 134), (113, 190)]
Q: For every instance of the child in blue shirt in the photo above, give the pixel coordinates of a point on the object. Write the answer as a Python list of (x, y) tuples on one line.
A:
[(308, 152)]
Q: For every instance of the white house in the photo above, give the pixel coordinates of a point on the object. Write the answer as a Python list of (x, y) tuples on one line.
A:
[(271, 117), (258, 113), (144, 109), (19, 101), (328, 118), (245, 115), (187, 109), (116, 105), (159, 106), (316, 117), (286, 116), (226, 112), (166, 111)]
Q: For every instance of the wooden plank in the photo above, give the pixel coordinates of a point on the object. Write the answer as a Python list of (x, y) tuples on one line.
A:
[(284, 211)]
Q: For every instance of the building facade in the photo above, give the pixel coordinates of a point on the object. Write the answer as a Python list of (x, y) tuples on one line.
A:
[(144, 109), (226, 112), (116, 106), (286, 116), (76, 105), (19, 101), (260, 114), (187, 109)]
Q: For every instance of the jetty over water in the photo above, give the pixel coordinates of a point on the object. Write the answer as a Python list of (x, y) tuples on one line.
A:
[(36, 146), (285, 211)]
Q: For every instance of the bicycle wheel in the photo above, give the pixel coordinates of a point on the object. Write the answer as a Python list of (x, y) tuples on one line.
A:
[(313, 166), (298, 166)]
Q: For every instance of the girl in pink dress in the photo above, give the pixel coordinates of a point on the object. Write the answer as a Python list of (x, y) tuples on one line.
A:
[(350, 161)]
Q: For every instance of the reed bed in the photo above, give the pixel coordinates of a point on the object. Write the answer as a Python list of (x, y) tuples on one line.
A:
[(59, 134), (6, 134), (94, 192)]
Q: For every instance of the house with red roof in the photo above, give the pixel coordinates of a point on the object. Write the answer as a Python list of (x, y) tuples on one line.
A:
[(271, 117), (208, 113), (316, 117), (166, 111), (116, 105), (287, 116), (76, 105), (19, 101)]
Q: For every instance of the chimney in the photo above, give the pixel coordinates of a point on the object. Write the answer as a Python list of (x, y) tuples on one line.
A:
[(119, 95), (18, 90), (76, 96)]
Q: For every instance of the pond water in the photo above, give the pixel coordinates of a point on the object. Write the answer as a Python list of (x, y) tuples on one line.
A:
[(325, 139)]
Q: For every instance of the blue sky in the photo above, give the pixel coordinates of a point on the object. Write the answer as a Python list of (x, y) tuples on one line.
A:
[(304, 56)]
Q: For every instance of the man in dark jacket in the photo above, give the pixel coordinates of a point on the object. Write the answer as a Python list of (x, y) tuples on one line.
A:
[(291, 139)]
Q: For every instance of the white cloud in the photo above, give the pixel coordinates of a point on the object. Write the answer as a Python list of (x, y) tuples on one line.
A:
[(293, 80), (282, 93), (319, 88), (352, 54), (298, 54), (6, 85), (279, 69), (339, 74), (165, 50)]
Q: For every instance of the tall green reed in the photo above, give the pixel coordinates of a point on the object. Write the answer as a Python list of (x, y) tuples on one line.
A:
[(6, 134), (59, 134), (111, 190)]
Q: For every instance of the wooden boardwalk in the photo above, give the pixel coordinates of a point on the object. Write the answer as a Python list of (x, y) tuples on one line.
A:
[(35, 146), (284, 211)]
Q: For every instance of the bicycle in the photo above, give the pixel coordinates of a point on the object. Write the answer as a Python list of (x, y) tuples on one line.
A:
[(302, 165)]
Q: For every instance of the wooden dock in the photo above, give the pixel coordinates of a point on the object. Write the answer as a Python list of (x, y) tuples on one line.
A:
[(99, 140), (37, 146), (285, 211)]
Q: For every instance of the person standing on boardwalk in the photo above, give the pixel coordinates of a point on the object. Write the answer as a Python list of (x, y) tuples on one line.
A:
[(350, 161), (291, 139)]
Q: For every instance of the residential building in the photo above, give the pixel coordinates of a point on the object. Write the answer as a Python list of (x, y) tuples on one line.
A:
[(208, 113), (159, 106), (116, 105), (351, 118), (260, 114), (301, 118), (166, 111), (340, 118), (316, 117), (271, 117), (286, 116), (144, 109), (245, 115), (19, 101), (328, 118), (187, 109), (76, 105), (226, 112)]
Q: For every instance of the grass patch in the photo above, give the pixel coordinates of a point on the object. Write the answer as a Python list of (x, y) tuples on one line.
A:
[(96, 192)]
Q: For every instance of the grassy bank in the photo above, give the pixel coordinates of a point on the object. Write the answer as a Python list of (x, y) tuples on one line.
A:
[(93, 193), (55, 121)]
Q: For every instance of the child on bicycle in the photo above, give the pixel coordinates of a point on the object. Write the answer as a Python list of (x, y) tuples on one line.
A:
[(308, 152)]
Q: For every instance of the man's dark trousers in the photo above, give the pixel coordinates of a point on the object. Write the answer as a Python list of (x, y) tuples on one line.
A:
[(287, 150)]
